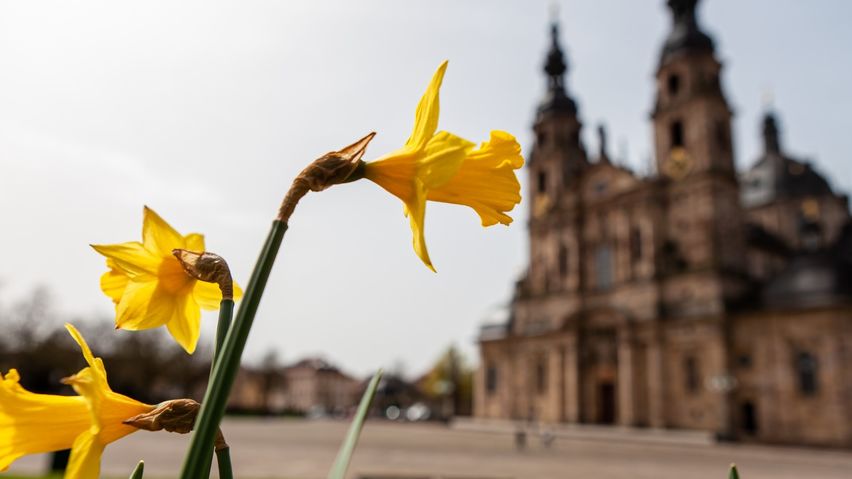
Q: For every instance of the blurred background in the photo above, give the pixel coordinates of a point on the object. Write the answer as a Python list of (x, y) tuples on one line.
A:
[(690, 279)]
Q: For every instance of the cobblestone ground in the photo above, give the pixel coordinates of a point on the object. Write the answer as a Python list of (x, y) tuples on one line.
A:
[(294, 449)]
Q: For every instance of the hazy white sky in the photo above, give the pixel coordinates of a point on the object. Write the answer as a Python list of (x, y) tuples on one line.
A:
[(205, 111)]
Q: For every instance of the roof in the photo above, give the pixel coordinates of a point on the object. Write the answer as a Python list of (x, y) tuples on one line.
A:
[(811, 279), (776, 175), (686, 36), (556, 100)]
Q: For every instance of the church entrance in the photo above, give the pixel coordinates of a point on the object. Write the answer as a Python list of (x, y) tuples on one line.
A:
[(748, 419), (606, 403)]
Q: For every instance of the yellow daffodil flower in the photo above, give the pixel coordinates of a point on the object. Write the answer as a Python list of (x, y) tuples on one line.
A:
[(150, 287), (439, 166), (36, 423)]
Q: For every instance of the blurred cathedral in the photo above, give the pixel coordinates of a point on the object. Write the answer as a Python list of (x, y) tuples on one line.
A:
[(697, 297)]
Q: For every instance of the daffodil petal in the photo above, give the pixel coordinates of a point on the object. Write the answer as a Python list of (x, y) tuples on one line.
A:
[(159, 237), (426, 117), (132, 258), (84, 347), (143, 307), (207, 295), (194, 242), (85, 460), (416, 212), (113, 282), (185, 325), (443, 157)]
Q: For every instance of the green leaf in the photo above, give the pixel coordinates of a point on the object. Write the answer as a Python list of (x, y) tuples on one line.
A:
[(344, 456), (733, 474), (138, 470)]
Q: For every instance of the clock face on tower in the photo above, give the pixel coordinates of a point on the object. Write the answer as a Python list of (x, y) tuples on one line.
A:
[(541, 205), (678, 164)]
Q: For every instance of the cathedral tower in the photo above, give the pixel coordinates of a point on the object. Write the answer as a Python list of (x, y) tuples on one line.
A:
[(694, 150), (556, 165)]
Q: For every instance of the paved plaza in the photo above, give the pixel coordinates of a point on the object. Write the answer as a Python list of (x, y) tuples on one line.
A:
[(297, 449)]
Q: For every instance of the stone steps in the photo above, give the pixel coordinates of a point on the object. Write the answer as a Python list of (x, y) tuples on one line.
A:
[(586, 432)]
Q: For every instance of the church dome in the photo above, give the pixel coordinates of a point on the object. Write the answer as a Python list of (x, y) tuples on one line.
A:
[(776, 175)]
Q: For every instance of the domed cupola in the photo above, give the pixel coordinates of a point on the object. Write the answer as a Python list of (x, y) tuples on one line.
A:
[(686, 36), (556, 100)]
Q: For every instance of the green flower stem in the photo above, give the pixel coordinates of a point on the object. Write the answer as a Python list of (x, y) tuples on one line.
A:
[(223, 459), (228, 360), (226, 312), (138, 470)]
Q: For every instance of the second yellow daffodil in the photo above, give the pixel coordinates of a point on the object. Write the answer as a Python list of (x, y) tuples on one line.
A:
[(35, 423), (150, 287), (439, 166)]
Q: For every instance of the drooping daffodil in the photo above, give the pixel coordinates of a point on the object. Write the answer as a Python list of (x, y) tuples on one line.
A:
[(33, 423), (440, 166), (150, 287)]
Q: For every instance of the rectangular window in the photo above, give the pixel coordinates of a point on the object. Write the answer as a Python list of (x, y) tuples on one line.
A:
[(541, 376), (635, 245), (691, 375), (806, 370), (603, 267), (491, 377)]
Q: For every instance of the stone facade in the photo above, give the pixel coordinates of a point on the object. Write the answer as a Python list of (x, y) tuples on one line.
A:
[(310, 385), (696, 297)]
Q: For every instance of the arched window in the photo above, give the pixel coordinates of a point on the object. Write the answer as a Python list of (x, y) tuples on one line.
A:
[(749, 418), (491, 378), (806, 373), (563, 260), (677, 133), (673, 84), (542, 182)]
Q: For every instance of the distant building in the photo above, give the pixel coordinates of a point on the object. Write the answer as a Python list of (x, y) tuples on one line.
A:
[(311, 384), (315, 384), (695, 297)]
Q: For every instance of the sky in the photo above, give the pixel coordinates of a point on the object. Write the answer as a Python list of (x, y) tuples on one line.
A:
[(205, 111)]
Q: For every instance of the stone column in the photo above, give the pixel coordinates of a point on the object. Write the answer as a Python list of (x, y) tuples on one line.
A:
[(479, 391), (625, 390), (572, 381)]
